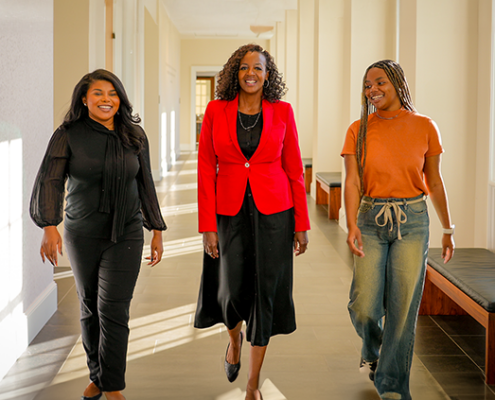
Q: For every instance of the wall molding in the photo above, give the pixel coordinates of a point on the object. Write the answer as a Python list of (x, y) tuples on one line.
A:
[(41, 310)]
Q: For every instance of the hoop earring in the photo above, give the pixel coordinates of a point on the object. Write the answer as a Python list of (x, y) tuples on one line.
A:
[(267, 83)]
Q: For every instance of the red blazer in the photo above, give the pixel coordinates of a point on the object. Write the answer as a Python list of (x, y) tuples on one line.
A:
[(275, 170)]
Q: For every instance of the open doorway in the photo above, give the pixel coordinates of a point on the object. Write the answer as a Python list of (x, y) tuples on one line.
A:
[(203, 80), (205, 92)]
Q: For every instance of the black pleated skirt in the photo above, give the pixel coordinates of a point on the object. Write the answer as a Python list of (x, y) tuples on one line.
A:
[(252, 279)]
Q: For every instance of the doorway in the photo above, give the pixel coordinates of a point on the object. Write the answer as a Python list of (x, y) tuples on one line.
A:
[(205, 92)]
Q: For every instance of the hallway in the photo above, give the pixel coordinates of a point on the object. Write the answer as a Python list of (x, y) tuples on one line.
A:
[(170, 360)]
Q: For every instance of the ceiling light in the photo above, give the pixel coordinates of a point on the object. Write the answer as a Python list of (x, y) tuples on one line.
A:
[(259, 29)]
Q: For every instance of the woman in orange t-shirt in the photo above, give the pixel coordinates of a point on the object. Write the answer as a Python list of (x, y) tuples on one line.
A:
[(392, 160)]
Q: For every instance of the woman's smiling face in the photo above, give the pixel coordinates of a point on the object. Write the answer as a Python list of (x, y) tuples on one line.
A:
[(252, 72), (380, 91), (103, 102)]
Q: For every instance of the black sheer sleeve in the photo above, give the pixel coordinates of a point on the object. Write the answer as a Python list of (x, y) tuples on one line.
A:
[(47, 199), (152, 216)]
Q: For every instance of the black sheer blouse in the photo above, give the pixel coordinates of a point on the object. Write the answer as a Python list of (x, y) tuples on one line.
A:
[(110, 189)]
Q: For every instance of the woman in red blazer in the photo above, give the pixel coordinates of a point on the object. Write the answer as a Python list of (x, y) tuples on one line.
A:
[(252, 209)]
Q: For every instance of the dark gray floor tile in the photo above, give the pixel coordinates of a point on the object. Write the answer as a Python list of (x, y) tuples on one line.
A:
[(473, 346), (459, 324), (462, 384), (448, 364), (433, 341)]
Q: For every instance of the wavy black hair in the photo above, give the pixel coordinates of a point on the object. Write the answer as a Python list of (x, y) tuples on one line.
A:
[(228, 79), (125, 122)]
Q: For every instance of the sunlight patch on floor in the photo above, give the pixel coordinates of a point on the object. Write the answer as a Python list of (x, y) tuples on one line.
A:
[(268, 390), (179, 210), (149, 335)]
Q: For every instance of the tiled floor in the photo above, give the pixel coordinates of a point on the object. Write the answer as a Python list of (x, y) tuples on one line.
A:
[(170, 360)]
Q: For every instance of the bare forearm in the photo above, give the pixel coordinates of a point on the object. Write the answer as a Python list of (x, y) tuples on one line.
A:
[(351, 200), (438, 197)]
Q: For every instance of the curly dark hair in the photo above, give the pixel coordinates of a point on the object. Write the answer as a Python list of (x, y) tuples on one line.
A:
[(125, 122), (228, 82)]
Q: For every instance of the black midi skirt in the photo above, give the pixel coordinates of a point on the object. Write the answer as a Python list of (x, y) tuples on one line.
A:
[(252, 279)]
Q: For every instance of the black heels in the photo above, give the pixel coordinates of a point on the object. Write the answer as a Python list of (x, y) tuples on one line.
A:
[(232, 370)]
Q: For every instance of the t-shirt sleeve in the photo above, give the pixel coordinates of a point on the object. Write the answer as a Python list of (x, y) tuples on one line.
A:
[(434, 140), (350, 140)]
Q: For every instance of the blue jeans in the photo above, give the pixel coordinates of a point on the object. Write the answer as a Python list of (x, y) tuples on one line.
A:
[(388, 282)]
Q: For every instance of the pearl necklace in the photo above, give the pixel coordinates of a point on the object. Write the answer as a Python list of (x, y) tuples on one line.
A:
[(395, 116), (247, 129)]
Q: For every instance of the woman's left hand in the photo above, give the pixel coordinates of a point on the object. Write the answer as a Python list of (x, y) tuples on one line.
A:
[(448, 246), (300, 242), (156, 248)]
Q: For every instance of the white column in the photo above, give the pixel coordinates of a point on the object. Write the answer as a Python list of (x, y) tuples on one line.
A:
[(291, 62), (306, 79)]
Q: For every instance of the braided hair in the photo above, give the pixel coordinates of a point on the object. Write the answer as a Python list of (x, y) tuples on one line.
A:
[(228, 79), (396, 76)]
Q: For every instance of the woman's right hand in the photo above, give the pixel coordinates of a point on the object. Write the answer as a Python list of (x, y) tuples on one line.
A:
[(354, 236), (51, 244), (210, 244)]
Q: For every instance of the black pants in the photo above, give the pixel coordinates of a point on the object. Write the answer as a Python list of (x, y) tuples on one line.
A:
[(105, 275)]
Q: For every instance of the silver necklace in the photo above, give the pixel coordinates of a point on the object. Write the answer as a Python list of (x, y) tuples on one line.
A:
[(395, 116), (248, 128)]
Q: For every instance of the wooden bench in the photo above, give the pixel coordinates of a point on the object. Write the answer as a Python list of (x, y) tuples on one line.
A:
[(464, 286), (308, 173), (328, 186)]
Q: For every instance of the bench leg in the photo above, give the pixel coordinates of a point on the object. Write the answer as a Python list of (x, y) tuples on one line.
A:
[(308, 178), (321, 195), (490, 350), (334, 203)]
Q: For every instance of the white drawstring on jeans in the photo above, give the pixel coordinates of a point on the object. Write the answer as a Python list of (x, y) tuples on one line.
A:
[(386, 211)]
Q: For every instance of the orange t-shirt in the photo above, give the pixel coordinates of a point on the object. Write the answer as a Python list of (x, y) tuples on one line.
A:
[(396, 151)]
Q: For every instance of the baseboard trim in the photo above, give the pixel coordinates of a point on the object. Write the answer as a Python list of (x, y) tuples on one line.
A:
[(41, 310)]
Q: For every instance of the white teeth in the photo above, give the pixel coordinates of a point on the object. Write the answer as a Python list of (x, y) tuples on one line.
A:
[(376, 97)]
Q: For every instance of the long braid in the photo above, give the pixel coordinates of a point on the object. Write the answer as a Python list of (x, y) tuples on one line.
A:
[(396, 76)]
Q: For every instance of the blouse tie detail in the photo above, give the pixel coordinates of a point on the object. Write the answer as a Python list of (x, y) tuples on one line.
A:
[(113, 190)]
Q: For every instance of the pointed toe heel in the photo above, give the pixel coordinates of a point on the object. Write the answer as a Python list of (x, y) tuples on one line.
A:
[(232, 370)]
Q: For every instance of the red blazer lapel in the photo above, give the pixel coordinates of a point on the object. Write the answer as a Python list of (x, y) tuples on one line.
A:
[(231, 117), (267, 126)]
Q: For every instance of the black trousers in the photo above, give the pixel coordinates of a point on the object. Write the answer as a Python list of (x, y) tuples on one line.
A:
[(105, 275)]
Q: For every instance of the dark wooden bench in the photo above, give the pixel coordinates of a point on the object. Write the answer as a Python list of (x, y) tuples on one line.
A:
[(464, 286), (328, 186), (308, 173)]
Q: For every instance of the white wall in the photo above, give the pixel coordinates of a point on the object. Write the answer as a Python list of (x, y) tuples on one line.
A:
[(28, 296), (447, 90), (170, 91)]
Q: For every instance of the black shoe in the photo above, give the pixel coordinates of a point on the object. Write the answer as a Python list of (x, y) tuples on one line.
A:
[(232, 370), (365, 366), (97, 397)]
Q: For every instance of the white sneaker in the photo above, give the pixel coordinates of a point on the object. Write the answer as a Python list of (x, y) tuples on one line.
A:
[(368, 367)]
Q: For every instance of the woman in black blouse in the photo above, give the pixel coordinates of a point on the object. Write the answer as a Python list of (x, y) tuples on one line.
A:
[(104, 156)]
